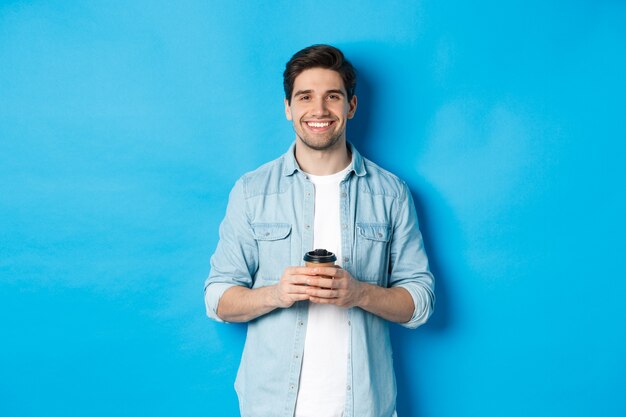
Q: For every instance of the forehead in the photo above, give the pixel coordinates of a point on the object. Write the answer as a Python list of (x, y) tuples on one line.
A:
[(319, 80)]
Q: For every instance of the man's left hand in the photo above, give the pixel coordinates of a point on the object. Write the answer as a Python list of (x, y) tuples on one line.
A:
[(334, 286)]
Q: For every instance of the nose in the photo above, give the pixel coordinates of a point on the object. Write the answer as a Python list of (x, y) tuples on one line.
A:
[(319, 108)]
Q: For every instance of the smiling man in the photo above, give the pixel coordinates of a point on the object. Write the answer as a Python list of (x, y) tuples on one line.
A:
[(318, 341), (319, 108)]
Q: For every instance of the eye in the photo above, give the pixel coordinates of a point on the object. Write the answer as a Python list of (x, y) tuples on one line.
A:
[(334, 97), (304, 97)]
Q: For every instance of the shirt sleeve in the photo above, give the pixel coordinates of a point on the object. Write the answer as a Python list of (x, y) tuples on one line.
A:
[(408, 261), (236, 257)]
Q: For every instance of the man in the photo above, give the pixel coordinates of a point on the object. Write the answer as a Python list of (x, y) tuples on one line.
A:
[(318, 341)]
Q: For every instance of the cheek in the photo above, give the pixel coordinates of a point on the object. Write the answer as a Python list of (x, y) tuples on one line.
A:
[(295, 114), (344, 111)]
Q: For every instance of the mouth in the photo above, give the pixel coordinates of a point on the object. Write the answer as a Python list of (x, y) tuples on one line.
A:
[(319, 126)]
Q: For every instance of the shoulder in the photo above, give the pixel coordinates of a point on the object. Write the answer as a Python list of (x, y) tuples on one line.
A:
[(267, 179), (380, 181)]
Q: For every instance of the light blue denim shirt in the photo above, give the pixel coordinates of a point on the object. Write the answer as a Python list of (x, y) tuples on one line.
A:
[(269, 226)]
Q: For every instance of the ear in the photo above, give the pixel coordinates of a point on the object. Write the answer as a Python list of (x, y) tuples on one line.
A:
[(352, 108), (287, 110)]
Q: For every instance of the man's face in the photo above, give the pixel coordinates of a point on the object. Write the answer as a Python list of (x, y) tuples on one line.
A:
[(320, 108)]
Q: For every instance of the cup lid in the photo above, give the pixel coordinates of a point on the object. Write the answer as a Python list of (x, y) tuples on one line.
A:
[(320, 256)]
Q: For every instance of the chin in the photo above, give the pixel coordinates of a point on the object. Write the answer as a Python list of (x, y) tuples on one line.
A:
[(321, 145)]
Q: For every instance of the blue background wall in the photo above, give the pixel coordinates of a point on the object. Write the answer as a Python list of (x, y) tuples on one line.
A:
[(123, 126)]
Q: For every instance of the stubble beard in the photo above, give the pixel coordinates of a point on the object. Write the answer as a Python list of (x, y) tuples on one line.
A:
[(321, 145)]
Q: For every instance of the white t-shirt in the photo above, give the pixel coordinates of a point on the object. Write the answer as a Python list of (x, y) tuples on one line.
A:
[(322, 391)]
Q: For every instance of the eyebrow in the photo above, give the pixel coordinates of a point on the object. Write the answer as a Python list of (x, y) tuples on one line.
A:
[(301, 92), (335, 92)]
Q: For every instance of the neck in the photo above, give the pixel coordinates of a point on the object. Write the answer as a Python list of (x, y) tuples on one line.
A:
[(326, 162)]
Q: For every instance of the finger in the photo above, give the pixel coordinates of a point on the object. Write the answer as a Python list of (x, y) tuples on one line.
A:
[(318, 300), (321, 282), (297, 289), (307, 279), (329, 271), (299, 297), (322, 293), (298, 279), (300, 270)]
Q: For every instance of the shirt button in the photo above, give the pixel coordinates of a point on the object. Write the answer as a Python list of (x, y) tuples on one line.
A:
[(345, 259), (297, 356), (301, 323), (380, 234), (345, 226), (349, 323), (349, 388), (291, 387), (344, 195), (306, 226)]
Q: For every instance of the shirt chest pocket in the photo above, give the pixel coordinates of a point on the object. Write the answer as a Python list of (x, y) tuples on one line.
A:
[(372, 249), (274, 244)]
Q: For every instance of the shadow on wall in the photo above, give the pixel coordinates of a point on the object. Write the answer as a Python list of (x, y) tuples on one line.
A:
[(359, 129), (408, 345)]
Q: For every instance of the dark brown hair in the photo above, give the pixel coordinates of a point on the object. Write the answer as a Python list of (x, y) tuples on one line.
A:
[(319, 56)]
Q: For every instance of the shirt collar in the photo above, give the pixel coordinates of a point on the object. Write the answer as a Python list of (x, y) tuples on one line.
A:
[(291, 165)]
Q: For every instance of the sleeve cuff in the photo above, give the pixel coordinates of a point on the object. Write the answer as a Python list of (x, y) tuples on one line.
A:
[(212, 295), (423, 300)]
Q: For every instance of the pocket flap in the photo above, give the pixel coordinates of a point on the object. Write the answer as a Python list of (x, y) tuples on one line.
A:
[(271, 231), (374, 231)]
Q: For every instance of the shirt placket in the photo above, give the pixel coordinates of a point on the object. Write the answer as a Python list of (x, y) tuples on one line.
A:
[(346, 249), (308, 207)]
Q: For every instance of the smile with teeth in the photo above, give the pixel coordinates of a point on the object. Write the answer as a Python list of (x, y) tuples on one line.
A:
[(318, 124)]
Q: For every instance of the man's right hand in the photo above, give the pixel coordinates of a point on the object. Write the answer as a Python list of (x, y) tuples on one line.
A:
[(242, 304), (292, 286)]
